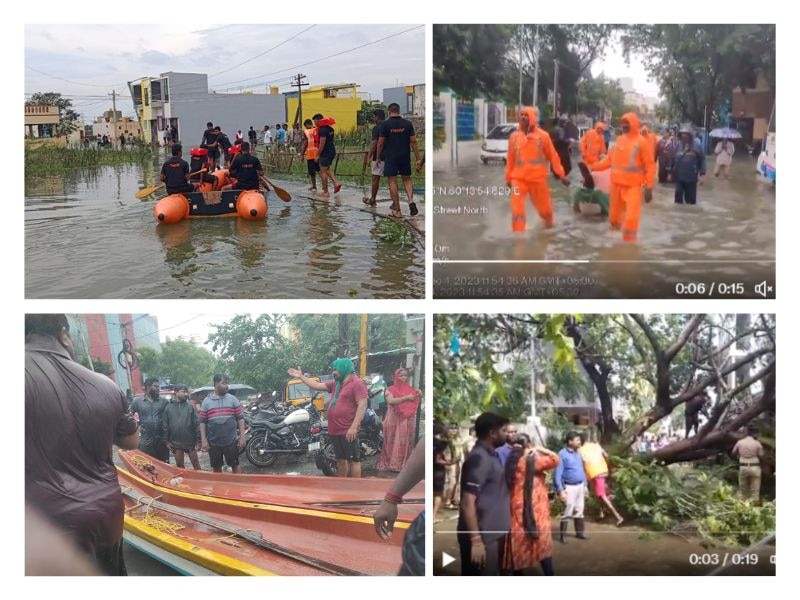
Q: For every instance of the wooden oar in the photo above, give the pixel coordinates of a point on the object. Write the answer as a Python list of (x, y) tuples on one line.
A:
[(145, 192), (281, 193)]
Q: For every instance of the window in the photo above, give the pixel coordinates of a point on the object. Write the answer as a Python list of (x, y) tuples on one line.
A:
[(155, 91), (147, 97), (165, 89), (137, 94)]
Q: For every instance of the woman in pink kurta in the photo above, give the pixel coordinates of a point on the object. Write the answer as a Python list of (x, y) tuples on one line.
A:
[(398, 428), (530, 540)]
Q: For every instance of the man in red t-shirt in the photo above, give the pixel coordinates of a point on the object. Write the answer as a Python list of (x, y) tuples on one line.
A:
[(345, 411)]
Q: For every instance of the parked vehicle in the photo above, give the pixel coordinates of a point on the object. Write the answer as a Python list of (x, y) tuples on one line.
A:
[(495, 147)]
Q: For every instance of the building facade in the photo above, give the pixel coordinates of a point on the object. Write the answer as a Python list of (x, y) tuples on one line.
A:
[(752, 108), (106, 125), (340, 101), (41, 121), (183, 100), (411, 99), (104, 338)]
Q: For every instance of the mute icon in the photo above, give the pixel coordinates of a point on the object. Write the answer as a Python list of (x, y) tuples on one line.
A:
[(761, 288)]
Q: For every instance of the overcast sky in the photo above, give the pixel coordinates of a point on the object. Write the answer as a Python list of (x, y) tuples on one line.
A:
[(96, 59), (614, 67), (173, 325)]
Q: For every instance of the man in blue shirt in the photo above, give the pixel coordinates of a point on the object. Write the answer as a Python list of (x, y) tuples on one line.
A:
[(570, 483), (504, 451)]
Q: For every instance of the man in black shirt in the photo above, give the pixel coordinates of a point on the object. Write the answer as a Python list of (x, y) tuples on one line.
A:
[(326, 153), (246, 169), (485, 513), (253, 137), (378, 117), (395, 141), (173, 133), (210, 143), (223, 144), (175, 173), (151, 414)]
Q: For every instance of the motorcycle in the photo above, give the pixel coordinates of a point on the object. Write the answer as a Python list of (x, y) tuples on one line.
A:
[(370, 436), (276, 429)]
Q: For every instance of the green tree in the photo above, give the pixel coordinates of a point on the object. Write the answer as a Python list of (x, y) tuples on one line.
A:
[(471, 59), (147, 358), (599, 94), (68, 118), (697, 66), (180, 361)]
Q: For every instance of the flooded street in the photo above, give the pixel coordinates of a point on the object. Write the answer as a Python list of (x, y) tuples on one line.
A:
[(627, 550), (728, 238), (86, 236)]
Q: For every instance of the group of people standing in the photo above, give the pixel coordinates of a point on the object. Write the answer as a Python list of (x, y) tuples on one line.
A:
[(504, 523)]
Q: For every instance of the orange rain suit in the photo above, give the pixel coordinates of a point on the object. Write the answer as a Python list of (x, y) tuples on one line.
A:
[(527, 173), (593, 145), (632, 166)]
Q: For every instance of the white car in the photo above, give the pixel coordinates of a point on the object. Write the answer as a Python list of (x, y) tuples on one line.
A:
[(495, 146)]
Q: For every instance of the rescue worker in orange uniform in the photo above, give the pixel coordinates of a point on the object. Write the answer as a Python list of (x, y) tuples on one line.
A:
[(529, 151), (593, 144), (632, 167), (651, 139)]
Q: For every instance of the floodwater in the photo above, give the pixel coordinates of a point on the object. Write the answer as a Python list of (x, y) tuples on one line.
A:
[(87, 236), (727, 239), (626, 550)]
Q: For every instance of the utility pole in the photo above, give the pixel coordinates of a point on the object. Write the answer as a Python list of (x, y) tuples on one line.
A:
[(298, 81), (519, 30), (114, 111), (535, 67), (555, 88), (362, 350)]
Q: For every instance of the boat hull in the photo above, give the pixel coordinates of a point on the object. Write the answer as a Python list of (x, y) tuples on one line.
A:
[(248, 204)]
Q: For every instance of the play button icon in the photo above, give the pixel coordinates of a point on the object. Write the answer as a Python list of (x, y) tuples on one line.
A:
[(447, 559)]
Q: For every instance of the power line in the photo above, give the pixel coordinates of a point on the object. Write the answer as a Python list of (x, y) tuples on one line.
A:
[(70, 81), (286, 41), (383, 39)]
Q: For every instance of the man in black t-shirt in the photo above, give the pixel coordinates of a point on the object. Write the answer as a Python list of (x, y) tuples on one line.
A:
[(246, 169), (209, 142), (175, 173), (326, 153), (253, 137), (396, 139), (378, 117), (223, 144)]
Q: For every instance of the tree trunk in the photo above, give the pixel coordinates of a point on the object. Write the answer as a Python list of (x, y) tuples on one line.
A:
[(642, 424)]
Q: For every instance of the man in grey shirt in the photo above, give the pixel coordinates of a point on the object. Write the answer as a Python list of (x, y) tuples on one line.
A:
[(219, 416), (485, 514)]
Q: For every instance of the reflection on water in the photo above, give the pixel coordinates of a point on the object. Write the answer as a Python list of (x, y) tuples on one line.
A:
[(86, 236), (733, 225)]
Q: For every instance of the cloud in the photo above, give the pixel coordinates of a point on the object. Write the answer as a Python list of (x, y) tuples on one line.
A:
[(154, 57)]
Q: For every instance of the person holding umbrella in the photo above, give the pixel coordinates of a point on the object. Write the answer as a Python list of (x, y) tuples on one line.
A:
[(724, 151)]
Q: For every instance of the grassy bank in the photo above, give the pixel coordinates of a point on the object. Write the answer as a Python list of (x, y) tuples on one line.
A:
[(50, 159)]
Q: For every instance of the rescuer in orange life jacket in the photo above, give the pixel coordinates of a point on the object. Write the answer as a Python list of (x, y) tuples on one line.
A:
[(529, 151), (632, 167)]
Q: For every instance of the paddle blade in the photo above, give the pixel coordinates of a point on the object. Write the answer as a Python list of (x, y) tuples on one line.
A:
[(145, 192), (282, 194)]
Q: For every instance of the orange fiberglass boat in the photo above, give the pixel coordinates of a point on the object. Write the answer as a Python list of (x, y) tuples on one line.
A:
[(260, 524)]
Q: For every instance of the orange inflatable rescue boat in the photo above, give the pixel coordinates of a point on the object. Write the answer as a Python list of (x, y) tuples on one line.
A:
[(248, 204)]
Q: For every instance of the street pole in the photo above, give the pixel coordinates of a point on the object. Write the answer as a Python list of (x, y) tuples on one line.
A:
[(114, 111), (536, 67), (519, 30), (555, 88), (362, 350)]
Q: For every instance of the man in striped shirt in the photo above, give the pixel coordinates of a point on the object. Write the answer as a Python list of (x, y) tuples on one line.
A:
[(220, 414)]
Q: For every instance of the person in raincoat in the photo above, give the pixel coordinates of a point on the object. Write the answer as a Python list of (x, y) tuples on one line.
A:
[(593, 144), (688, 166), (632, 168), (651, 139), (529, 152)]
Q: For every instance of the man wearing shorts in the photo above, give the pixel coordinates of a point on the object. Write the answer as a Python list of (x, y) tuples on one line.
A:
[(219, 415), (395, 143), (346, 409), (596, 467), (326, 154), (378, 117)]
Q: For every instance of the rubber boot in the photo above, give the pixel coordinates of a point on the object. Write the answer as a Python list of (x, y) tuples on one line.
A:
[(580, 529), (563, 525)]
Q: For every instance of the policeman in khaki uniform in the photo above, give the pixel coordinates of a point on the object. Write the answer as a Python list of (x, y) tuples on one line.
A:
[(749, 451)]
